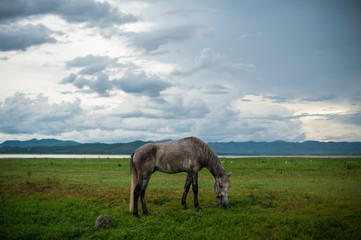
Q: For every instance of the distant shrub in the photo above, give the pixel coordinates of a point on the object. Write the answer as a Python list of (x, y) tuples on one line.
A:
[(351, 165)]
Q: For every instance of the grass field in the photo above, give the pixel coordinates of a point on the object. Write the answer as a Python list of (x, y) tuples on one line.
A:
[(270, 198)]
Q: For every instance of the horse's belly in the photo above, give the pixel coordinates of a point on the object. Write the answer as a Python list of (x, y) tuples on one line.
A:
[(173, 166)]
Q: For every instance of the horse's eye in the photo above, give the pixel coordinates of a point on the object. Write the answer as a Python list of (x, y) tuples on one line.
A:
[(220, 186)]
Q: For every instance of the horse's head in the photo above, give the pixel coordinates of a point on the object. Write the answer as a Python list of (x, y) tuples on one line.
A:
[(221, 189)]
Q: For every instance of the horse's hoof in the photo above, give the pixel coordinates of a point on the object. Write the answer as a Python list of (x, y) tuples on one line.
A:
[(146, 213), (136, 215), (199, 209), (185, 207)]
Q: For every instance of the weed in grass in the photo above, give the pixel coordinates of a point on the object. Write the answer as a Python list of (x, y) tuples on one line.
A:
[(161, 200), (351, 165)]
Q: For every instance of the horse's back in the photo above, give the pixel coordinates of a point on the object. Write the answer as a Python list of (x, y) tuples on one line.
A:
[(170, 156), (178, 156)]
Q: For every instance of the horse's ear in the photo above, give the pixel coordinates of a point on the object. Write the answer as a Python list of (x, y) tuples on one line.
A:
[(229, 174)]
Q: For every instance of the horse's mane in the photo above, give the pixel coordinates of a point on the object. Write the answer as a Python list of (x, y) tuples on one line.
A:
[(211, 159)]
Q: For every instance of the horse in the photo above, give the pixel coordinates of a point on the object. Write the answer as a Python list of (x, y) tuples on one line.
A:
[(185, 155)]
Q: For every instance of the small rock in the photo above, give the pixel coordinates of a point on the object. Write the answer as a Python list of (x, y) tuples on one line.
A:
[(102, 221)]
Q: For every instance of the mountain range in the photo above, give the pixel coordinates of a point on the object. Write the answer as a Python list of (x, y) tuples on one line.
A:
[(38, 143), (54, 146)]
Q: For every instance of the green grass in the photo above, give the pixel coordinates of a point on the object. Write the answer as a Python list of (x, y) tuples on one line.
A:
[(270, 198)]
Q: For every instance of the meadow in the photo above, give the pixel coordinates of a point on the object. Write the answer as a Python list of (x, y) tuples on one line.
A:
[(270, 198)]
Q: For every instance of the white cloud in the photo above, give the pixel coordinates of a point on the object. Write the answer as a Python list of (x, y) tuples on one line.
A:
[(22, 115), (324, 118), (256, 106)]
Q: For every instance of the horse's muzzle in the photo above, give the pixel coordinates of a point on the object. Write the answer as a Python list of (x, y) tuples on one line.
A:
[(224, 201)]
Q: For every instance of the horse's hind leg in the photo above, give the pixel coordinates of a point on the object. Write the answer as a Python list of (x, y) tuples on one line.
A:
[(186, 189), (142, 197), (136, 196), (140, 191)]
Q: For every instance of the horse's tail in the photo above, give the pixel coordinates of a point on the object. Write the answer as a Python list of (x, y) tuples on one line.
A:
[(134, 178)]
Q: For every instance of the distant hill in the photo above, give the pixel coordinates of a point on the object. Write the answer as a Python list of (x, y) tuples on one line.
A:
[(53, 146), (287, 148), (38, 143), (87, 148)]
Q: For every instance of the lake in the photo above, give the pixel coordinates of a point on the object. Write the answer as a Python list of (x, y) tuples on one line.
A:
[(128, 156)]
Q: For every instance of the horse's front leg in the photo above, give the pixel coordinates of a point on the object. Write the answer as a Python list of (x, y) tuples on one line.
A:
[(186, 189), (195, 190)]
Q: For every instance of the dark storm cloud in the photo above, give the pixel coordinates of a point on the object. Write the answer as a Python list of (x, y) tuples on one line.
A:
[(277, 99), (92, 64), (93, 77), (181, 12), (175, 108), (216, 89), (13, 9), (13, 37), (142, 84), (179, 109), (69, 79), (93, 69), (321, 98), (349, 119), (354, 119), (88, 60), (98, 83), (93, 13), (209, 59), (152, 40)]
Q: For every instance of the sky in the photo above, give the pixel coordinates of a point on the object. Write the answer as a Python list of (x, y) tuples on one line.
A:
[(118, 71)]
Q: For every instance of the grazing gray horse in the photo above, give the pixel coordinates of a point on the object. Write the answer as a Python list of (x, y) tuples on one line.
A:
[(185, 155)]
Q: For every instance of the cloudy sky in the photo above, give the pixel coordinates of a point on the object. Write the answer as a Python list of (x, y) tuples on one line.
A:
[(117, 71)]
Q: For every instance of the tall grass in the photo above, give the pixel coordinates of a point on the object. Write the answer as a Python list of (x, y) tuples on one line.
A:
[(279, 198)]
